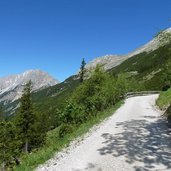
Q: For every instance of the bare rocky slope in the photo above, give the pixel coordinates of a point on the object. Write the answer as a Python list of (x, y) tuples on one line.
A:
[(11, 86), (110, 61)]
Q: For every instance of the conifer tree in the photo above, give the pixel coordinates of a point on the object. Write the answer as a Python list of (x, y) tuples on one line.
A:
[(82, 70), (25, 119), (9, 145)]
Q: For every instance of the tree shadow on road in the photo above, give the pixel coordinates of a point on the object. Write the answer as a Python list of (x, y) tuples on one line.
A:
[(90, 167), (141, 141)]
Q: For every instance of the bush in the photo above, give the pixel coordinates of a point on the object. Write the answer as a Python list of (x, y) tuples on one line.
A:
[(65, 129), (164, 99), (96, 93), (165, 87), (93, 96), (71, 114), (168, 113), (102, 90)]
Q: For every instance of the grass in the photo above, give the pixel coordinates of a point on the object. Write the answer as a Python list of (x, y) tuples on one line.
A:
[(164, 99), (54, 144)]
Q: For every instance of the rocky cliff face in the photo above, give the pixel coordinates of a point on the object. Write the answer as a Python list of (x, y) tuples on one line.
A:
[(110, 61), (11, 86)]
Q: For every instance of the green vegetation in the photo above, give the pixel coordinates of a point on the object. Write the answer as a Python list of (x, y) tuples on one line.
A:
[(50, 119), (22, 134), (164, 99), (55, 144), (82, 70), (164, 102), (95, 95), (149, 67), (89, 104), (47, 100), (167, 76), (9, 144), (2, 115), (148, 74), (25, 119)]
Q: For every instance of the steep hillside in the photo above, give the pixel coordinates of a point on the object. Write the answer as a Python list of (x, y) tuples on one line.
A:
[(147, 67), (11, 87), (54, 97), (49, 99), (110, 61), (144, 64)]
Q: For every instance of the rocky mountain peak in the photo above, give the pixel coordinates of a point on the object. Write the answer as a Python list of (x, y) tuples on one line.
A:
[(110, 61), (11, 86)]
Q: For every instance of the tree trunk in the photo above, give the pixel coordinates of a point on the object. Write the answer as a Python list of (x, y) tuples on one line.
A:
[(3, 166), (26, 146)]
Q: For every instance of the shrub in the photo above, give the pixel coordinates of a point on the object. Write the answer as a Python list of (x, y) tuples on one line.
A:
[(94, 95), (71, 114), (168, 113), (65, 129)]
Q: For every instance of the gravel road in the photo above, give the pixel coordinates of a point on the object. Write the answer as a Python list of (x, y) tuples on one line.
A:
[(135, 138)]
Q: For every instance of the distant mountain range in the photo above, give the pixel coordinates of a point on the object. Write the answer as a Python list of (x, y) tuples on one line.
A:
[(11, 86)]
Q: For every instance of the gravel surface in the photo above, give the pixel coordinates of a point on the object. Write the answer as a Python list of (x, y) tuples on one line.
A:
[(135, 138)]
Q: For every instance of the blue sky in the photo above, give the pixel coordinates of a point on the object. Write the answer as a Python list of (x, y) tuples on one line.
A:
[(54, 35)]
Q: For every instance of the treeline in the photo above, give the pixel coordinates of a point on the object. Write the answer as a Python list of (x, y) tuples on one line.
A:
[(27, 131)]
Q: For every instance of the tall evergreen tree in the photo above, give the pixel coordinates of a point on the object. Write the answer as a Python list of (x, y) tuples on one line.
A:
[(9, 145), (25, 119), (82, 70)]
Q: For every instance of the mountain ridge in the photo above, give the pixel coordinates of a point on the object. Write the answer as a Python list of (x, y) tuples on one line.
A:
[(11, 86), (111, 61)]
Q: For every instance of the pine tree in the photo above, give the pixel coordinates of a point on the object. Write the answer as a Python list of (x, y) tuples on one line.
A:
[(25, 119), (40, 128), (9, 144), (82, 70)]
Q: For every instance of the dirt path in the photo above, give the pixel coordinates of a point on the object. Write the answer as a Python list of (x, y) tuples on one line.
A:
[(135, 138)]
